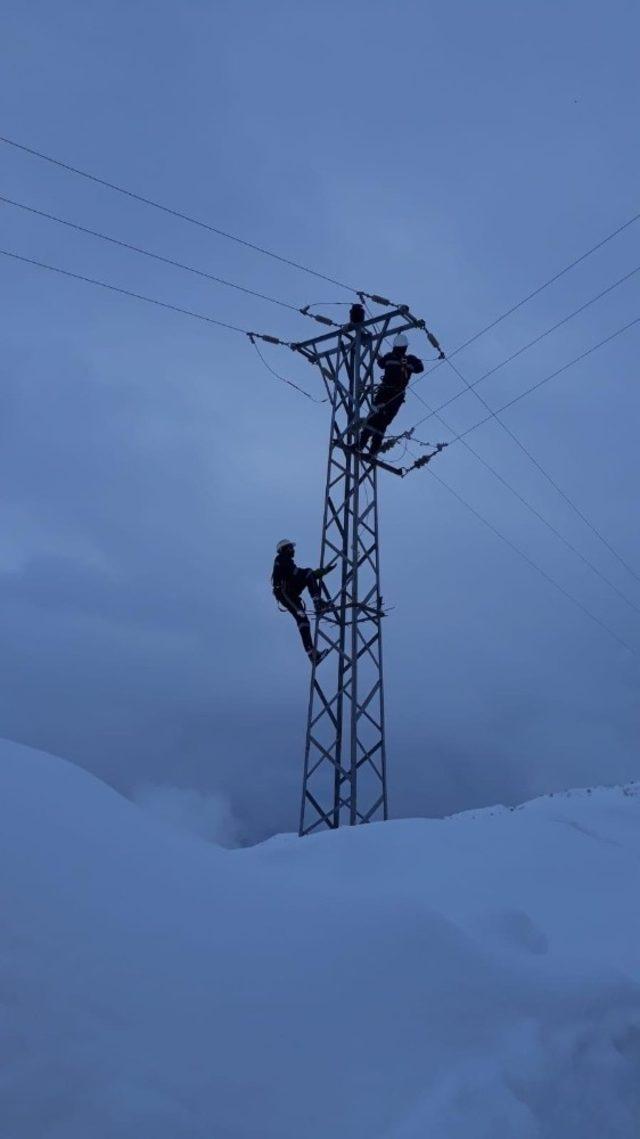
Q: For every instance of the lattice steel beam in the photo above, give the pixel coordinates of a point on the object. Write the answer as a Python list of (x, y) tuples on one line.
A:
[(345, 777)]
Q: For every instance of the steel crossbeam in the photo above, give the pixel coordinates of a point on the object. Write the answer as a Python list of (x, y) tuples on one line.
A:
[(345, 778)]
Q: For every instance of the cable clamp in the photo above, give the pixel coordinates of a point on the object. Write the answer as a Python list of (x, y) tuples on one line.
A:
[(253, 336), (391, 442), (376, 299), (306, 311), (430, 337), (434, 344), (424, 459), (382, 301)]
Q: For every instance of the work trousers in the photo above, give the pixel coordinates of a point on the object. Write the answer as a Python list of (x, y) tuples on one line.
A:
[(382, 414), (291, 599)]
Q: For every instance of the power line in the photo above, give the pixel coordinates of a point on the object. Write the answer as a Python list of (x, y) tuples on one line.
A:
[(471, 386), (551, 376), (525, 347), (283, 379), (295, 264), (290, 383), (538, 465), (124, 292), (533, 509), (146, 253), (304, 268), (494, 414), (247, 332), (535, 292), (174, 212), (253, 336), (550, 526), (301, 267), (164, 304), (533, 564), (557, 488), (551, 280)]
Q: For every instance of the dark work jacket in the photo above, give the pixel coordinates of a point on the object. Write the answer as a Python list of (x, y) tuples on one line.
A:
[(398, 370), (283, 577)]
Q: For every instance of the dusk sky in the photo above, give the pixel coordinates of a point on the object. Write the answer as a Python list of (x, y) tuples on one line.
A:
[(453, 157)]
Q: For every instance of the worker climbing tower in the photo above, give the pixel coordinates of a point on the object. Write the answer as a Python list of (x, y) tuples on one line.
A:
[(345, 773)]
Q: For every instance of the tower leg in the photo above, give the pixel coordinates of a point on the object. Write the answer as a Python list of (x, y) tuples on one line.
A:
[(345, 780)]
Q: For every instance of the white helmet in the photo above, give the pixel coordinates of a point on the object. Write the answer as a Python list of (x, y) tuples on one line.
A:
[(401, 341), (283, 543)]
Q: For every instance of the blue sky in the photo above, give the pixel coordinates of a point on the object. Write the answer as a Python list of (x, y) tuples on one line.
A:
[(453, 157)]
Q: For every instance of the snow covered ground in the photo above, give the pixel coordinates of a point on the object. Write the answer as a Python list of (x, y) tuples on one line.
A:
[(470, 978)]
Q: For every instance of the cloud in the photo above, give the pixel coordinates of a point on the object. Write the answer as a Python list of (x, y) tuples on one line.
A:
[(149, 463), (192, 812)]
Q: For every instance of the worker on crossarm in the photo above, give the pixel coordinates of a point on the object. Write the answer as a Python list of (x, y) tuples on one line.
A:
[(289, 582), (398, 368)]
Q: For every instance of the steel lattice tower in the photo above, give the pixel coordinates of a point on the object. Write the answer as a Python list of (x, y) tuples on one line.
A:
[(345, 774)]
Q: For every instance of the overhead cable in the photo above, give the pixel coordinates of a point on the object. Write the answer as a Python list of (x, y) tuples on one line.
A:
[(142, 297), (298, 265), (283, 379), (545, 285), (563, 494), (534, 565), (146, 252), (525, 347), (551, 376), (275, 340), (538, 513), (174, 212), (495, 414)]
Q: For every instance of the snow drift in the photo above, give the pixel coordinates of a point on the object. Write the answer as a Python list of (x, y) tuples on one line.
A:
[(470, 978)]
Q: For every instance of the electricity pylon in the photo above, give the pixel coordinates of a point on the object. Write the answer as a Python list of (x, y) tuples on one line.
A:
[(345, 763)]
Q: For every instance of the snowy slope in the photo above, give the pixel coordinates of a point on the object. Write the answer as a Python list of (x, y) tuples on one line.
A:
[(470, 978)]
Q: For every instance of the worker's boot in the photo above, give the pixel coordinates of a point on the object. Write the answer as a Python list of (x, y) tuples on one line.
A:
[(317, 655)]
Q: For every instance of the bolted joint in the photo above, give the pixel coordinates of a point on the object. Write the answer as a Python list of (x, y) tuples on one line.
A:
[(306, 311), (253, 336), (434, 343), (376, 299)]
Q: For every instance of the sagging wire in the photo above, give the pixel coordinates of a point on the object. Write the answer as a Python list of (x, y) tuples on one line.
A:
[(425, 459), (405, 436), (433, 340), (306, 311), (411, 451), (145, 252), (378, 300), (534, 565), (329, 304), (173, 212), (524, 502), (141, 297), (418, 322), (405, 448), (418, 460), (278, 376)]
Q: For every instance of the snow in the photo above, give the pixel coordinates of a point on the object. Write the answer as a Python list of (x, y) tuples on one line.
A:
[(476, 977)]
